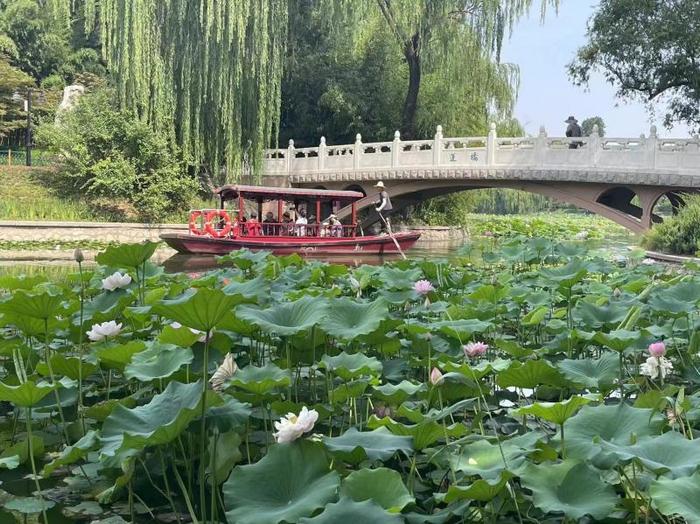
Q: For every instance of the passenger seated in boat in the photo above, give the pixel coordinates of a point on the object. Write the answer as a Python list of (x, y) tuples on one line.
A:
[(336, 228), (269, 224), (286, 228), (312, 228), (253, 227), (300, 227)]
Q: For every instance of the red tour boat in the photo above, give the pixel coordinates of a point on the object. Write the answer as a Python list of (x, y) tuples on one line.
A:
[(300, 229)]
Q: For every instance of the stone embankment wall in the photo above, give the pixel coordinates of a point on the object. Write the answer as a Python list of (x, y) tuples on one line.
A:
[(18, 231)]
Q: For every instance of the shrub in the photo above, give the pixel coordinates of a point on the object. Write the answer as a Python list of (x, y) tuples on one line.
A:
[(679, 234), (107, 153)]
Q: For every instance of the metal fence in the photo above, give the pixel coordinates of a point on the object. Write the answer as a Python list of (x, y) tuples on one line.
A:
[(18, 157)]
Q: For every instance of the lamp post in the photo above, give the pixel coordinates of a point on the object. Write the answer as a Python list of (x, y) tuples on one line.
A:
[(28, 132)]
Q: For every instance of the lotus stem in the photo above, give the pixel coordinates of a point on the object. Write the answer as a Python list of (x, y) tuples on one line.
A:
[(203, 430), (30, 448)]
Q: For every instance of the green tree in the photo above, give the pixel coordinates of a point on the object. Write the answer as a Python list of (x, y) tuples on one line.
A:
[(588, 123), (459, 39), (111, 156), (647, 49), (12, 82)]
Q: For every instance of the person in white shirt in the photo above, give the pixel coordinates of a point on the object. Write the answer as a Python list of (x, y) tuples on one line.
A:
[(300, 229)]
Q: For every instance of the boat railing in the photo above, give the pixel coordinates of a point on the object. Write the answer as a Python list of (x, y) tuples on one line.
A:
[(289, 230)]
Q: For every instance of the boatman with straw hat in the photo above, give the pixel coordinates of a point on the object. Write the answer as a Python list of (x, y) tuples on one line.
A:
[(384, 207)]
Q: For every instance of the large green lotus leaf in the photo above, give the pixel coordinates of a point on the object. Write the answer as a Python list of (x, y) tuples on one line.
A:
[(181, 336), (157, 362), (598, 373), (478, 371), (489, 293), (101, 410), (20, 450), (244, 258), (30, 326), (201, 308), (127, 255), (158, 422), (483, 490), (286, 318), (232, 415), (595, 316), (26, 395), (36, 305), (614, 424), (388, 277), (618, 340), (567, 275), (12, 283), (396, 394), (354, 446), (485, 459), (677, 300), (28, 505), (74, 453), (349, 366), (668, 453), (291, 482), (347, 510), (256, 288), (347, 319), (530, 375), (347, 390), (462, 330), (105, 307), (260, 380), (679, 496), (398, 297), (66, 366), (224, 453), (381, 485), (572, 488), (118, 356), (555, 412), (423, 433)]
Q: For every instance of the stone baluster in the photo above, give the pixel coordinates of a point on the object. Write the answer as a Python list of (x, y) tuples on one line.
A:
[(437, 146), (491, 146), (594, 145), (541, 146), (290, 155), (651, 147), (395, 148), (322, 154), (357, 152)]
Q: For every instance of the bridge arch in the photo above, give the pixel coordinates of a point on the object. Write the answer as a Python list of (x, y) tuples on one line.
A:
[(629, 206)]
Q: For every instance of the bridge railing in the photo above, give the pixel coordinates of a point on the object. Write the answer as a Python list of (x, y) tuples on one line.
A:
[(644, 153)]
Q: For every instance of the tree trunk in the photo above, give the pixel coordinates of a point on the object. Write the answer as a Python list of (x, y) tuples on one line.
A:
[(410, 105)]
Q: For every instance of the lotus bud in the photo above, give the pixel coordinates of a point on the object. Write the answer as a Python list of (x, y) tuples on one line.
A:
[(617, 292), (78, 255), (436, 377)]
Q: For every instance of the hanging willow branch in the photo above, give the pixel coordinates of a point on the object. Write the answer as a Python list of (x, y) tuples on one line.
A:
[(206, 73)]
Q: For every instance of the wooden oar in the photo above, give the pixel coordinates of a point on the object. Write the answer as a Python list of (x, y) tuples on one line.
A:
[(388, 229)]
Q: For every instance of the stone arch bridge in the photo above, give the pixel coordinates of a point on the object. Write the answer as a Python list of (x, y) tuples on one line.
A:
[(619, 178)]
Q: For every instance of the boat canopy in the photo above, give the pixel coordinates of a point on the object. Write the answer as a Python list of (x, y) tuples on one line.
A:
[(261, 193)]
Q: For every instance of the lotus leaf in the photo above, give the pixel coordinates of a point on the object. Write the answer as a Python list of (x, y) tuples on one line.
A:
[(232, 415), (614, 424), (595, 316), (74, 453), (202, 308), (291, 482), (347, 510), (158, 422), (118, 356), (462, 330), (347, 390), (679, 496), (555, 412), (395, 278), (347, 319), (618, 340), (530, 375), (224, 453), (482, 489), (486, 460), (26, 395), (397, 394), (381, 485), (348, 366), (67, 366), (592, 373), (105, 307), (668, 453), (157, 362), (424, 433), (288, 318), (355, 446), (572, 488), (181, 336), (255, 289), (101, 410), (28, 505), (260, 381), (127, 255), (21, 450)]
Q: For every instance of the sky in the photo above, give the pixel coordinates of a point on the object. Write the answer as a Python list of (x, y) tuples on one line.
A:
[(547, 96)]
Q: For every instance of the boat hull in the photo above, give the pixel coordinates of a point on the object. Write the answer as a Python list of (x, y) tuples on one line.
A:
[(371, 245)]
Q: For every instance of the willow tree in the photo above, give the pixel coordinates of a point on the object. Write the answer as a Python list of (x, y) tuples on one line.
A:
[(206, 73), (457, 37)]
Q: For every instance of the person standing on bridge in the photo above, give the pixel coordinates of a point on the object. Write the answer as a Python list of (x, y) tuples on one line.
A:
[(573, 130), (384, 207)]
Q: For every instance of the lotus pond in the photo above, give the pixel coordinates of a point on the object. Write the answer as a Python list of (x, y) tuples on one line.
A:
[(546, 384)]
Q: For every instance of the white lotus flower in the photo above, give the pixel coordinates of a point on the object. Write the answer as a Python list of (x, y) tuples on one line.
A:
[(581, 235), (293, 426), (224, 372), (648, 262), (116, 281), (656, 366), (104, 330)]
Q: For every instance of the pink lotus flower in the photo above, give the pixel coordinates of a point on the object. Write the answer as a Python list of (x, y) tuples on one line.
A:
[(423, 287), (474, 349), (657, 349), (436, 377)]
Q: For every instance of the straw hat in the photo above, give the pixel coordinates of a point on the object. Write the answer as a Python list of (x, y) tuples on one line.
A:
[(379, 184)]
